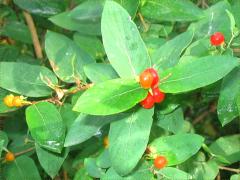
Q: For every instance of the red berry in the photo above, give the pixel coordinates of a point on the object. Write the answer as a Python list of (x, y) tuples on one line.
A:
[(146, 79), (160, 162), (158, 95), (217, 39), (155, 76), (9, 157), (148, 102)]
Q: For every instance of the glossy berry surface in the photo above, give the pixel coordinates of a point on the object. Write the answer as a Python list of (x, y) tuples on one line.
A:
[(8, 100), (148, 102), (155, 76), (146, 79), (160, 162), (217, 39), (158, 95), (9, 157)]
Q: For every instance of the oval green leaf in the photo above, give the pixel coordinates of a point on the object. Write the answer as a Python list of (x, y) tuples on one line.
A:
[(110, 97)]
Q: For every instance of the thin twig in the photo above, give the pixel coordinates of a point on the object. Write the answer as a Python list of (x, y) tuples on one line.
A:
[(204, 114), (145, 26), (65, 175), (32, 28), (24, 151), (229, 169)]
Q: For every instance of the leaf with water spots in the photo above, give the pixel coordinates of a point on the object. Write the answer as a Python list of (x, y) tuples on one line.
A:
[(46, 126), (227, 104), (123, 44), (110, 97)]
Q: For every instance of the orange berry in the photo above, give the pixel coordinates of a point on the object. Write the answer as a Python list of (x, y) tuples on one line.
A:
[(8, 100), (160, 162), (17, 101), (146, 79), (9, 156), (105, 142)]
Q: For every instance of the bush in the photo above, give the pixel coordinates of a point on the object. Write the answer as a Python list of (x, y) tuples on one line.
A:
[(110, 89)]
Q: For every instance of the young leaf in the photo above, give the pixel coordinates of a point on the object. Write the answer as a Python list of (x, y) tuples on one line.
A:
[(110, 97), (49, 161), (197, 73), (174, 10), (25, 79), (1, 146), (177, 148), (125, 49), (22, 168), (168, 54), (97, 72), (128, 139), (227, 102), (170, 173), (231, 153), (85, 126), (66, 59), (46, 125)]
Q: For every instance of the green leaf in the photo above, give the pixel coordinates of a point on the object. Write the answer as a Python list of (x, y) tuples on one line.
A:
[(227, 103), (27, 80), (227, 147), (92, 169), (128, 139), (174, 10), (170, 173), (197, 73), (4, 138), (177, 148), (1, 147), (198, 48), (46, 126), (17, 31), (22, 168), (82, 174), (125, 49), (110, 97), (97, 72), (169, 53), (41, 7), (49, 161), (88, 11), (236, 13), (173, 122), (215, 20), (9, 53), (103, 160), (85, 126), (65, 21), (91, 44), (235, 177), (66, 59), (142, 172), (130, 6)]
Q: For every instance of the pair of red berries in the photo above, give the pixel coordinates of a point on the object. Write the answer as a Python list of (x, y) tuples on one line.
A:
[(149, 79), (217, 39)]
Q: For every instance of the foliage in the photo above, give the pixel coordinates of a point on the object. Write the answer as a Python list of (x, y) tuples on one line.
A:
[(79, 113)]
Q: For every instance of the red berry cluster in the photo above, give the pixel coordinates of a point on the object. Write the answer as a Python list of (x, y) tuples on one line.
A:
[(217, 39), (149, 79)]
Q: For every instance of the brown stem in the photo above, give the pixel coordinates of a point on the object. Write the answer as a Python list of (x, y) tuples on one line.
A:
[(32, 28), (24, 151), (198, 119), (65, 175), (229, 169)]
